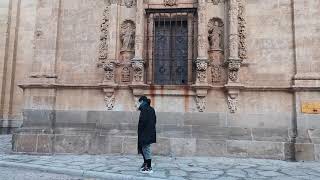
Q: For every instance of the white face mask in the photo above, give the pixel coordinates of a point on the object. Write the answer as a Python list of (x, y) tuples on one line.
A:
[(139, 104)]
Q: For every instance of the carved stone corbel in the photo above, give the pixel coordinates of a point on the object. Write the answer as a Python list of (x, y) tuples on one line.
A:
[(201, 103), (109, 98), (232, 102), (201, 92)]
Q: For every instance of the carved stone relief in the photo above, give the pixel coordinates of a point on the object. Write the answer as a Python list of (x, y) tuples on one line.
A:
[(138, 69), (216, 2), (128, 3), (215, 34), (109, 101), (233, 68), (232, 104), (125, 74), (202, 65), (104, 37), (201, 103), (127, 35), (169, 2), (109, 72), (216, 71), (242, 30)]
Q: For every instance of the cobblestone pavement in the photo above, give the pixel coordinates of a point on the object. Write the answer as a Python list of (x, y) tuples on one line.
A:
[(179, 168), (21, 174)]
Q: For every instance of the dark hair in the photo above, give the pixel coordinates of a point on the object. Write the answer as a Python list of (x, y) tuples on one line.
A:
[(149, 101), (143, 98)]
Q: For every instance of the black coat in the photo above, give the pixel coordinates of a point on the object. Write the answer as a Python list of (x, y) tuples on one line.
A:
[(146, 126)]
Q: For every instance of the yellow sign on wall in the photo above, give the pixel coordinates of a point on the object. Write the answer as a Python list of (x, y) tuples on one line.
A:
[(311, 108)]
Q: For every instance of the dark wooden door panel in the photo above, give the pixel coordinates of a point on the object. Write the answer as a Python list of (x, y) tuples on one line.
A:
[(171, 53)]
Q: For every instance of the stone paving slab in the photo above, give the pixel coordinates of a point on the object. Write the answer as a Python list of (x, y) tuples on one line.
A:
[(174, 168)]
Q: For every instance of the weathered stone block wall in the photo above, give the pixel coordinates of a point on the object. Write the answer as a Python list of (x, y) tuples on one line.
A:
[(270, 44), (178, 134)]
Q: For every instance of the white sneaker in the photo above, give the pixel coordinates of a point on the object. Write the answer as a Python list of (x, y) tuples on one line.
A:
[(146, 170)]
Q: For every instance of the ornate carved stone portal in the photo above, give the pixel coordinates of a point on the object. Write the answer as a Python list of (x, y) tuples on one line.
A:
[(210, 64)]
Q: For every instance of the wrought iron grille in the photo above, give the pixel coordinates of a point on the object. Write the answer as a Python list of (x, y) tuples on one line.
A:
[(170, 45)]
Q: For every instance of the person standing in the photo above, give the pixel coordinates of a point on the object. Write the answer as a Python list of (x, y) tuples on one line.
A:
[(146, 132)]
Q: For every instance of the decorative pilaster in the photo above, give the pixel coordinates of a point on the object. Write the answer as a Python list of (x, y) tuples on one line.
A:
[(234, 62), (202, 31), (201, 85), (137, 63), (107, 53)]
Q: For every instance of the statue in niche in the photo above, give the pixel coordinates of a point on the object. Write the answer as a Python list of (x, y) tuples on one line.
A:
[(127, 35), (215, 34)]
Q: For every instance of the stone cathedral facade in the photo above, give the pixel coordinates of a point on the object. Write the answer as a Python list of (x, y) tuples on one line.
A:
[(226, 77)]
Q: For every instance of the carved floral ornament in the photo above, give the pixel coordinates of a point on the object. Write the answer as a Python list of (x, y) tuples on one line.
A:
[(104, 31), (242, 30), (232, 104)]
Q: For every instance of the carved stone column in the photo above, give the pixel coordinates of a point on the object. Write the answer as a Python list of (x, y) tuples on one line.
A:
[(201, 85), (138, 63), (234, 61)]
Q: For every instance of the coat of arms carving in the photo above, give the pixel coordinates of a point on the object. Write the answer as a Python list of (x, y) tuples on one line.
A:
[(170, 2)]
